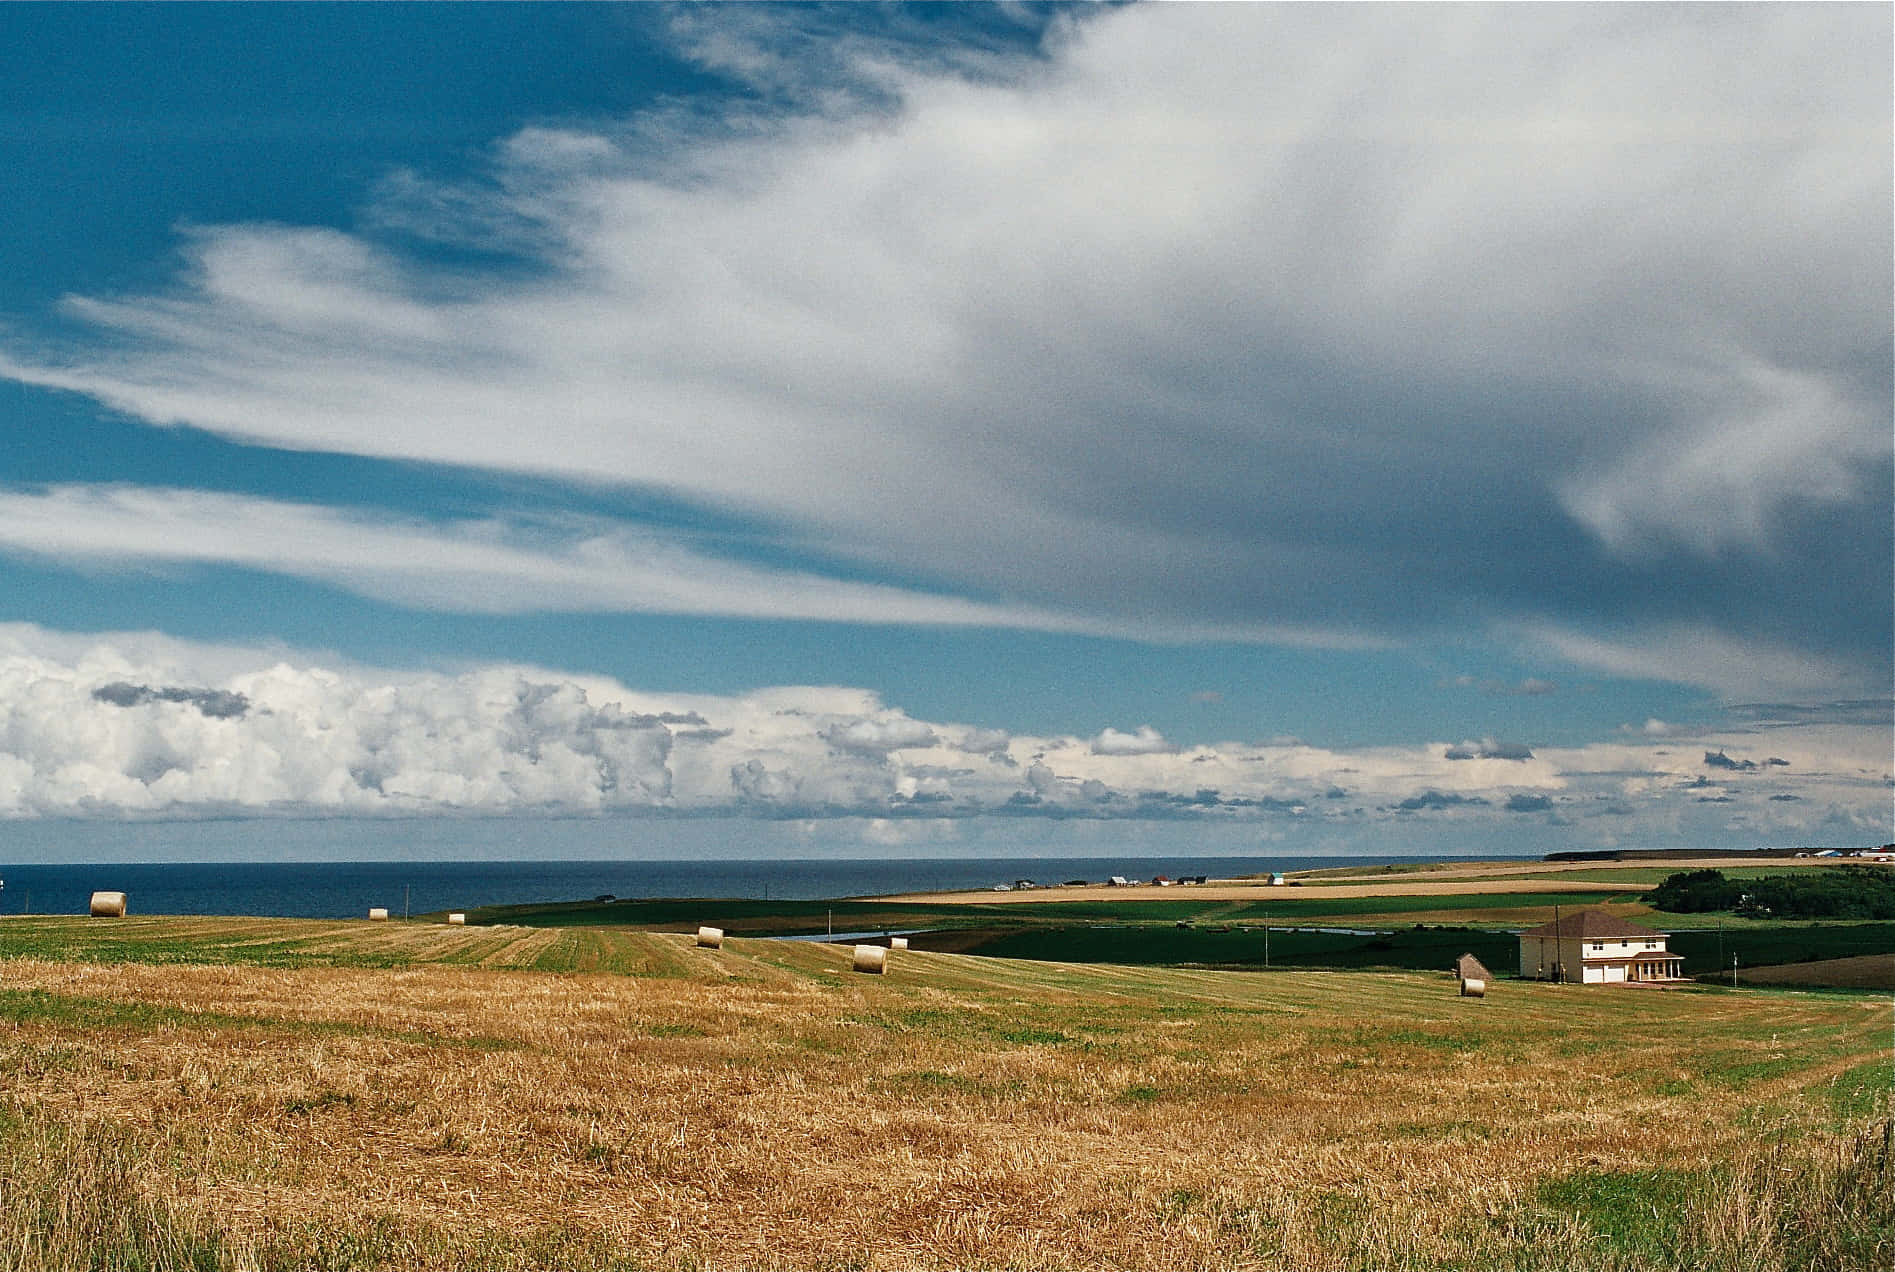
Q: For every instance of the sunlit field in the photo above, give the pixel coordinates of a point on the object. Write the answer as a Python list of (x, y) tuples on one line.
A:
[(238, 1093)]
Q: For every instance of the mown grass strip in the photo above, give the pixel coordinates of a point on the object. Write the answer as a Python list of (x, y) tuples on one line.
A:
[(1638, 1213), (23, 1007)]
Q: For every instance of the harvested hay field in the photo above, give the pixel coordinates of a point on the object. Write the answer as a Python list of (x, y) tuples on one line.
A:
[(1422, 879), (231, 1093), (1868, 971)]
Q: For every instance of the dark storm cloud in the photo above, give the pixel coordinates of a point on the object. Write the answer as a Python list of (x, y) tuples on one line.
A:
[(1489, 750), (1432, 799), (1719, 760), (1528, 803), (213, 704)]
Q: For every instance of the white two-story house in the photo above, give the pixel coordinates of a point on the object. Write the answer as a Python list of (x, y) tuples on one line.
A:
[(1596, 948)]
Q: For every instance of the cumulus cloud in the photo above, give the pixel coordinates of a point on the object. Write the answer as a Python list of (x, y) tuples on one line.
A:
[(1146, 741), (878, 737), (984, 741), (755, 783), (1169, 319), (135, 725)]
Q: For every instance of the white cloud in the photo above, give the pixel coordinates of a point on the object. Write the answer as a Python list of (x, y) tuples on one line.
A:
[(879, 737), (1204, 323), (182, 730), (1735, 665), (492, 566), (1146, 741), (1719, 481), (984, 741)]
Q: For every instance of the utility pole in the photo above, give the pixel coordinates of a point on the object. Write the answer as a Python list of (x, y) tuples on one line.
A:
[(406, 888), (1733, 969), (1559, 945)]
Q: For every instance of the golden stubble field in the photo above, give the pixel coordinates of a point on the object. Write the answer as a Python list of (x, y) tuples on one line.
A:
[(761, 1106)]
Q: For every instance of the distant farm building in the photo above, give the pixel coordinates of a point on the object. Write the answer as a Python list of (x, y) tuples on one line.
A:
[(1596, 948), (1467, 967), (1475, 978)]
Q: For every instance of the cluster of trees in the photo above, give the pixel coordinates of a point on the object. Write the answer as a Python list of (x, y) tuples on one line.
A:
[(1845, 892)]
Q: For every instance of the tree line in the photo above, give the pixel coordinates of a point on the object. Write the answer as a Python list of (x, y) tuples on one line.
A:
[(1842, 892)]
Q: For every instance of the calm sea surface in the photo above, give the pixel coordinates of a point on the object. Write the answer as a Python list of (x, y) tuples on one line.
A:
[(342, 889)]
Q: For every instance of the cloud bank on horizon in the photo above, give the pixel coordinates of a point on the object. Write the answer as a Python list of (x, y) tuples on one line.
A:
[(1558, 331), (143, 726)]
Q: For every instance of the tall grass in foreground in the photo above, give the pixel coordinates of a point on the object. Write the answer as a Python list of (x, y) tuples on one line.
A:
[(1823, 1204), (71, 1199), (78, 1198)]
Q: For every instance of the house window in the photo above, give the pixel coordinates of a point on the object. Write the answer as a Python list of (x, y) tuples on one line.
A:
[(1598, 945)]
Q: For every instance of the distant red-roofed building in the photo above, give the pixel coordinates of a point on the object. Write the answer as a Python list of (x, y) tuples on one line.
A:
[(1592, 947)]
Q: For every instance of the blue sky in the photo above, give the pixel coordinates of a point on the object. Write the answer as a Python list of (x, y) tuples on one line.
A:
[(952, 426)]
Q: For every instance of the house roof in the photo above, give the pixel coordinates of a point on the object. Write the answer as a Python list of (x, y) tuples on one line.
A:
[(1468, 966), (1591, 925)]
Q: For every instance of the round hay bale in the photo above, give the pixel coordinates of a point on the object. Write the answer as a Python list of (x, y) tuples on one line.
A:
[(871, 958), (107, 905), (1473, 987), (710, 938), (897, 942), (379, 914), (457, 919)]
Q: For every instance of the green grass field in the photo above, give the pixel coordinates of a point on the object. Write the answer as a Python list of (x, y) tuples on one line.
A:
[(1416, 932), (998, 931), (758, 918)]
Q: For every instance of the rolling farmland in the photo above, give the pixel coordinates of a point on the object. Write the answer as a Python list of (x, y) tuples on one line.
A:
[(272, 1093)]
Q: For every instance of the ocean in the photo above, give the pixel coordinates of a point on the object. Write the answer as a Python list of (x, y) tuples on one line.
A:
[(347, 889)]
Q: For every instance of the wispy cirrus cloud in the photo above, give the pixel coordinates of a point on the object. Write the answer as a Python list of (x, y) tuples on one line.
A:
[(513, 564), (1560, 321), (489, 566), (1733, 664)]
